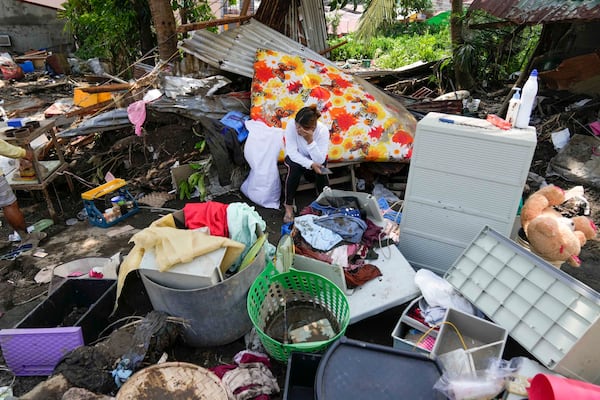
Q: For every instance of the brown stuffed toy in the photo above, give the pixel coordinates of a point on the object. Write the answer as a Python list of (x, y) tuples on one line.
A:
[(550, 235)]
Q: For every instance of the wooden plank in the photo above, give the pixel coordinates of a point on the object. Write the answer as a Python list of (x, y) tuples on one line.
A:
[(215, 22), (106, 88)]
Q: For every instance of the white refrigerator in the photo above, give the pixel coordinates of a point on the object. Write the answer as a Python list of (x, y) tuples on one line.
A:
[(464, 174)]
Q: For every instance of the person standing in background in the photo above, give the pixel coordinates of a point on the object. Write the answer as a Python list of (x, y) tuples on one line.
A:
[(8, 201), (306, 149)]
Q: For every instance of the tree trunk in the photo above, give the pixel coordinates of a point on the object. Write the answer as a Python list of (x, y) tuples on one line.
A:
[(144, 20), (462, 73), (164, 23)]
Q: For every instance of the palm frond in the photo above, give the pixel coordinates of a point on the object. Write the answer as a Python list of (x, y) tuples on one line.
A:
[(378, 12)]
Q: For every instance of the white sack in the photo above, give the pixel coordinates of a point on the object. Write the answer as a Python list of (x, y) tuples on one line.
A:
[(263, 185)]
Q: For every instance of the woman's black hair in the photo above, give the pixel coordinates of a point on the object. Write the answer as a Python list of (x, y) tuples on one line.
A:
[(308, 116)]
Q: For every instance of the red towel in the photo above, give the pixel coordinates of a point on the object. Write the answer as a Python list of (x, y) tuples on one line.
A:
[(211, 213)]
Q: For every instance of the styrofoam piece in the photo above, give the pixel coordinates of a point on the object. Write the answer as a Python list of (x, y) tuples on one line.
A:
[(394, 287), (484, 339), (489, 166), (37, 351), (551, 314), (367, 203), (203, 271)]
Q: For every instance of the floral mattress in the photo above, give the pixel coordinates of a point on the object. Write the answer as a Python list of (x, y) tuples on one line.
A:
[(362, 127)]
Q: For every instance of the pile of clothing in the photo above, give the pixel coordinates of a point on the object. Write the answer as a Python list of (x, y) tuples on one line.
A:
[(336, 230)]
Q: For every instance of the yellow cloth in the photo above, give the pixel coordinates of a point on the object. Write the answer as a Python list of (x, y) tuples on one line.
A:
[(8, 150), (174, 246)]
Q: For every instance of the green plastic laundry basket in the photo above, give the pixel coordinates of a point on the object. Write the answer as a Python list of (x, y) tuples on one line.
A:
[(264, 302)]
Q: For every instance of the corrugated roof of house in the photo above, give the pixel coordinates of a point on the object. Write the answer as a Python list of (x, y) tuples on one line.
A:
[(56, 4), (540, 11)]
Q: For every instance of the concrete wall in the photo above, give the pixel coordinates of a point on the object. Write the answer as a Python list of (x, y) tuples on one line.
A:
[(32, 27)]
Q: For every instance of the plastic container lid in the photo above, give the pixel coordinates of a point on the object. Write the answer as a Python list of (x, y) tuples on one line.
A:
[(351, 369)]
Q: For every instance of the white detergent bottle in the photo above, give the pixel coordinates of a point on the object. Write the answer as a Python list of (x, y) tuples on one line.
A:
[(528, 94), (513, 107)]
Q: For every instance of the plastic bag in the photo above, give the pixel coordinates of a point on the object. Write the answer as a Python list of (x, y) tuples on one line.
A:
[(438, 292), (480, 385), (10, 69)]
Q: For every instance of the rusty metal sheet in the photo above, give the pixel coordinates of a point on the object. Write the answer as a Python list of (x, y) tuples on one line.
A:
[(540, 11)]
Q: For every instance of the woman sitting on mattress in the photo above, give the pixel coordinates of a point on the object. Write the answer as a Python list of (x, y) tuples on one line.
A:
[(306, 149)]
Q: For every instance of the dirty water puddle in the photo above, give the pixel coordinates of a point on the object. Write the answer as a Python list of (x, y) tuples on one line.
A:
[(301, 321)]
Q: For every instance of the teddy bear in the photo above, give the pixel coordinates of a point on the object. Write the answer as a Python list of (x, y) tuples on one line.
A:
[(550, 235)]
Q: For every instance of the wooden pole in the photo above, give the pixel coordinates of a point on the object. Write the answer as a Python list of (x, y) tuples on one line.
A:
[(245, 7), (215, 22)]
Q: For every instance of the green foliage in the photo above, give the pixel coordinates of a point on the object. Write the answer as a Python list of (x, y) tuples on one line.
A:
[(408, 6), (104, 29), (492, 54), (381, 12), (196, 180), (393, 52), (196, 11), (110, 29)]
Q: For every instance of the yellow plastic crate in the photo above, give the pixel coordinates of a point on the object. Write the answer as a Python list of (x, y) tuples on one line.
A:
[(104, 189), (83, 99)]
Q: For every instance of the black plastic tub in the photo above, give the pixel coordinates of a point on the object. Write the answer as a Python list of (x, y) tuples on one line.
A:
[(87, 303), (300, 376), (351, 369)]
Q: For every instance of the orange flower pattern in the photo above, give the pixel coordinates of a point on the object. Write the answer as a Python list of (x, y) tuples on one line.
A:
[(361, 128)]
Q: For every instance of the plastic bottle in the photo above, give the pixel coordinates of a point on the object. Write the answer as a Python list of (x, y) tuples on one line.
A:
[(528, 94), (40, 225), (513, 107)]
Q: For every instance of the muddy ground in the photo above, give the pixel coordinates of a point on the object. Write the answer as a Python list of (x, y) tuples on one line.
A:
[(172, 139)]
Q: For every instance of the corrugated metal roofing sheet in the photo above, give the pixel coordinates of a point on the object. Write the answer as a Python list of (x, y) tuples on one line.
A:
[(235, 50), (540, 11), (56, 4)]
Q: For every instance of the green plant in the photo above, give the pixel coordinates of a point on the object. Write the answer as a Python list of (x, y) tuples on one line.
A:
[(196, 180), (394, 52), (105, 29), (194, 11)]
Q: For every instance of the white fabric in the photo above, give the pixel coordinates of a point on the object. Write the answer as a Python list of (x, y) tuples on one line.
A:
[(263, 185), (303, 153)]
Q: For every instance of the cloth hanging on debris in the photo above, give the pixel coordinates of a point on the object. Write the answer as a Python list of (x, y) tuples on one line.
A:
[(224, 146), (136, 112)]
